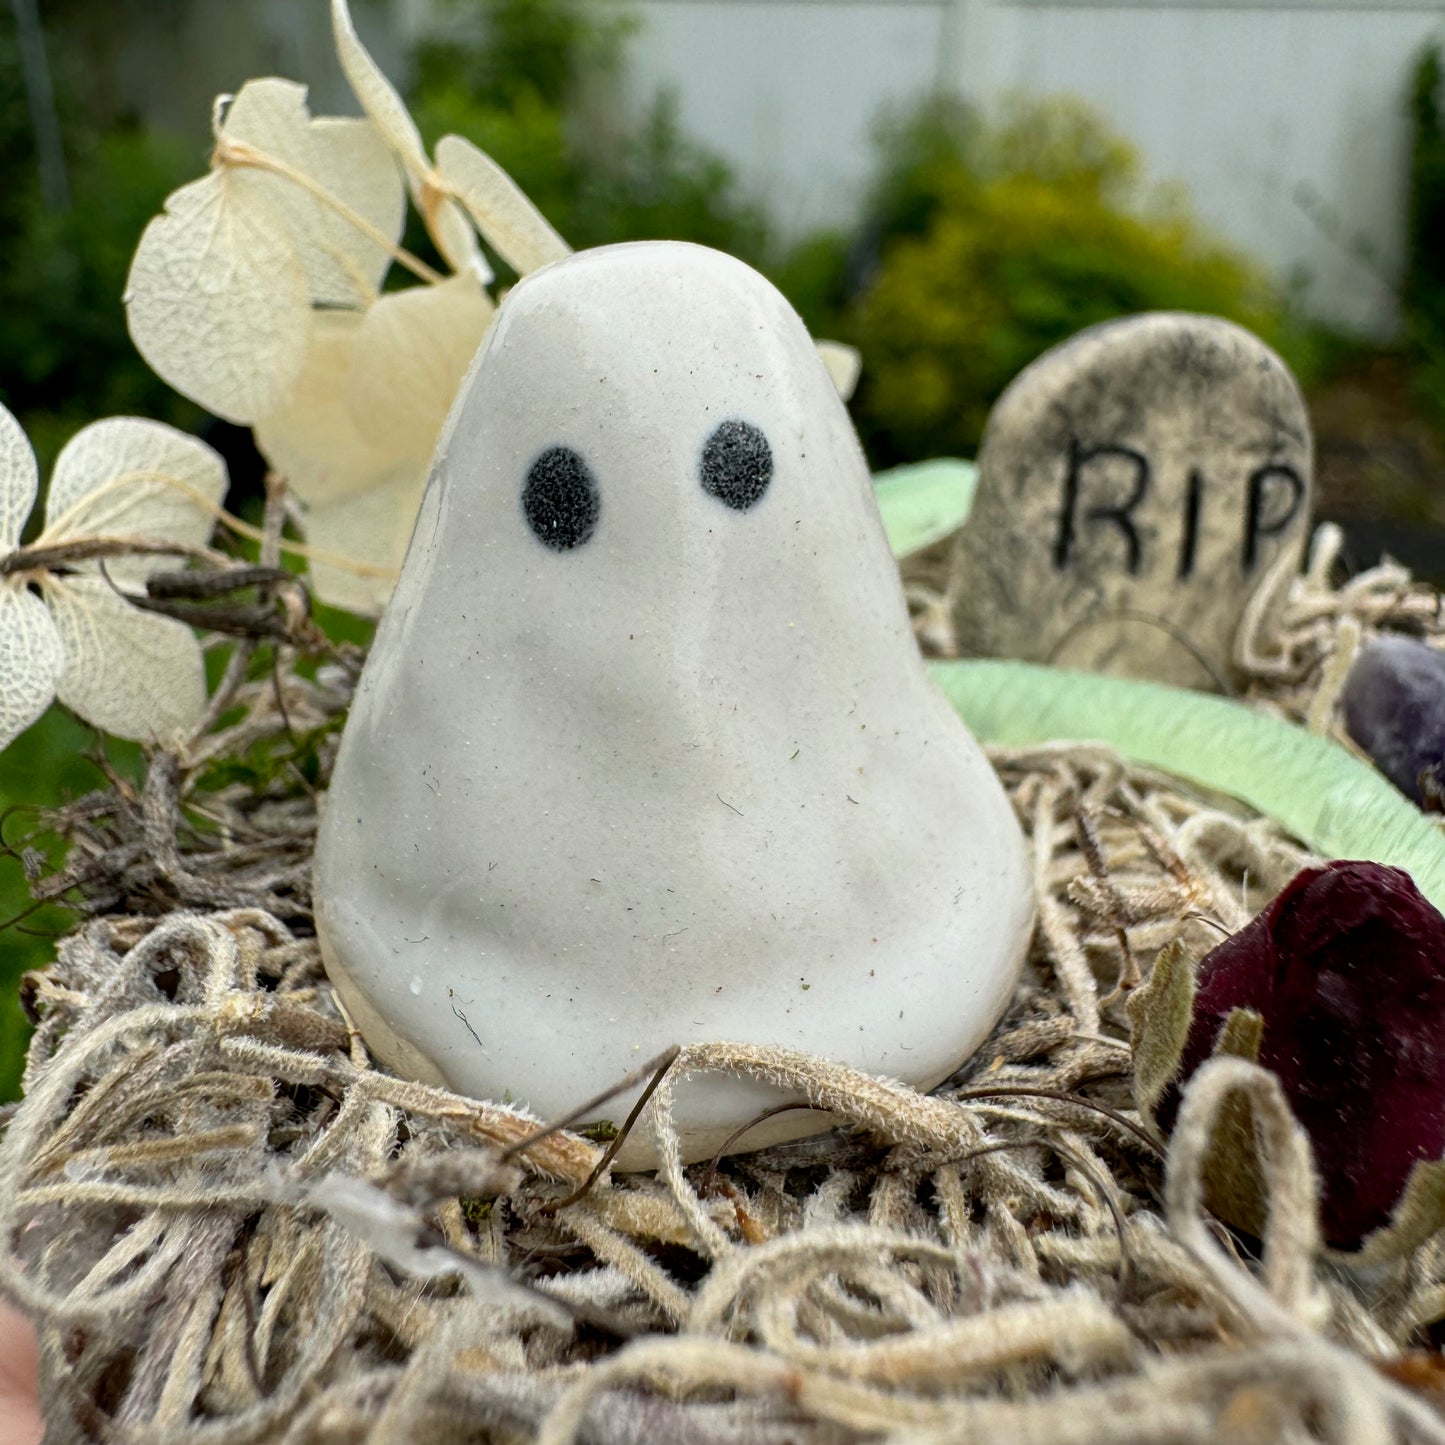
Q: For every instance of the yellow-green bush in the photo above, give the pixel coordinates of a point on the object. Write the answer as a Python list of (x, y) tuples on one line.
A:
[(1000, 242), (1422, 296), (535, 83)]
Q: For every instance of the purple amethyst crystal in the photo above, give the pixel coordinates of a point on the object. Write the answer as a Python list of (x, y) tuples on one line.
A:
[(1394, 706)]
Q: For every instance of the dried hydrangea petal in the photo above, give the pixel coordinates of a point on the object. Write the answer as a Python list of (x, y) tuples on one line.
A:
[(446, 221), (19, 481), (844, 364), (217, 300), (523, 237), (347, 158), (130, 673), (312, 438), (31, 660), (376, 94), (130, 477), (408, 359), (372, 528)]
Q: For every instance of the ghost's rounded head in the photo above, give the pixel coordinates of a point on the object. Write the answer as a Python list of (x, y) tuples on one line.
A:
[(644, 752), (646, 415)]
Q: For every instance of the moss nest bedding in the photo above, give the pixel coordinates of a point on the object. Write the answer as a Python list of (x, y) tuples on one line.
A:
[(229, 1225)]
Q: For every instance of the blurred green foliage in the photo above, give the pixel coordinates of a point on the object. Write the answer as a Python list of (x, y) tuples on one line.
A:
[(535, 83), (65, 356), (982, 244), (994, 242), (48, 764), (1422, 295), (65, 359)]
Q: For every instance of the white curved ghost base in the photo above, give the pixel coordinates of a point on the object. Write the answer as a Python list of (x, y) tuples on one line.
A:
[(644, 752)]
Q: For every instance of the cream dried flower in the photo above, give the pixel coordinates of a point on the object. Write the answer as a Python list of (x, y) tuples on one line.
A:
[(123, 490), (258, 294), (295, 213)]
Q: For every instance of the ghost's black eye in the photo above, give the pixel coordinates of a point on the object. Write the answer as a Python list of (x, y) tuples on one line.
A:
[(737, 464), (561, 499)]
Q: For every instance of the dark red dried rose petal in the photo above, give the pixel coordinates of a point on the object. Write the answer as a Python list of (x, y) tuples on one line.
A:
[(1347, 968)]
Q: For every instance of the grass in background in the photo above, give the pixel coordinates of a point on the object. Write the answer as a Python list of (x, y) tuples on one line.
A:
[(46, 765)]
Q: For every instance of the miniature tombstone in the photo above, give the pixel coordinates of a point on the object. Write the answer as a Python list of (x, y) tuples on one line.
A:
[(644, 752), (1138, 485)]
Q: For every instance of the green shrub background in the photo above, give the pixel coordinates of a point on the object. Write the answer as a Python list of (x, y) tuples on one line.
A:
[(1422, 296), (1001, 241)]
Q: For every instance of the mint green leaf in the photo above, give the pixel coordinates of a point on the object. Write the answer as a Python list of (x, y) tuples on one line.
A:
[(1337, 805), (924, 503)]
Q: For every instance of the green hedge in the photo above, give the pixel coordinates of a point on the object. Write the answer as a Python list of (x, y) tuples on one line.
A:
[(536, 84), (996, 243), (1422, 296)]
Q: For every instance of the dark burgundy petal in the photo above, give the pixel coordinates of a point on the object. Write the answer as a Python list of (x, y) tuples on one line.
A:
[(1347, 968)]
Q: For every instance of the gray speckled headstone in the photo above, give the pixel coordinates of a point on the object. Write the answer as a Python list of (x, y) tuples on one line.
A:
[(1136, 486)]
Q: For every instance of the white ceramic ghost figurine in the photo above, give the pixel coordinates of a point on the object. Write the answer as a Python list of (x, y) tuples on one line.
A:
[(644, 752)]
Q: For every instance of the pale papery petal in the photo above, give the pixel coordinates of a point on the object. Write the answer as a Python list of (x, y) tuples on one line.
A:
[(312, 439), (31, 660), (376, 94), (518, 231), (445, 220), (130, 477), (371, 527), (217, 299), (130, 673), (19, 480), (409, 357), (361, 171), (347, 158), (456, 238), (843, 364)]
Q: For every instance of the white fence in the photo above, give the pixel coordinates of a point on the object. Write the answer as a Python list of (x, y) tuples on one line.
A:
[(1285, 119)]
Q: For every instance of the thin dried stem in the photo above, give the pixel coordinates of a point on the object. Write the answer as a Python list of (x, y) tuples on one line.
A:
[(230, 152)]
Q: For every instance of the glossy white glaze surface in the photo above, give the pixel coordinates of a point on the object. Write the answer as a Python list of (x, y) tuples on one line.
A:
[(685, 779)]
